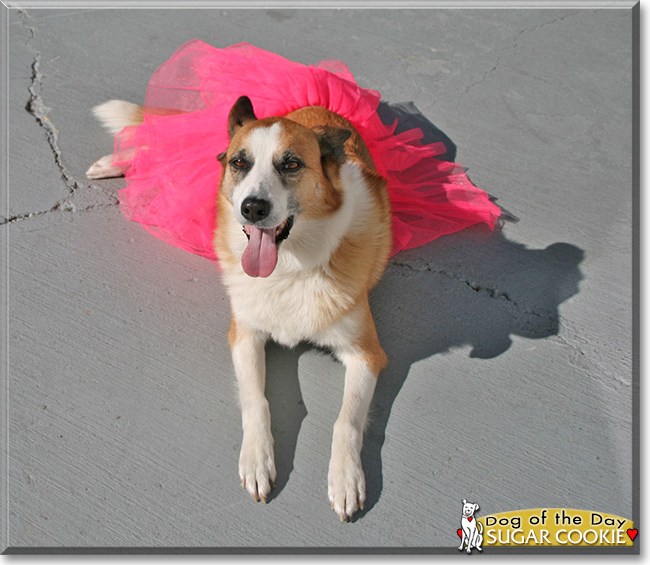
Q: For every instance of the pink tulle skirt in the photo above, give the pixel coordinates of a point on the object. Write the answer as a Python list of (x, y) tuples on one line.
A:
[(171, 166)]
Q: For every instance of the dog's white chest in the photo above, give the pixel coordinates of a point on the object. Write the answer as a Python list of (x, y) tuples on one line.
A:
[(288, 308)]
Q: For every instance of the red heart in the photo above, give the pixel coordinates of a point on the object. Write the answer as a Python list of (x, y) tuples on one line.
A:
[(470, 518), (460, 532), (632, 533)]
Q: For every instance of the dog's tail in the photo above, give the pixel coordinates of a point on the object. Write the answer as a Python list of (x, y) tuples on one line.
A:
[(479, 525), (115, 115)]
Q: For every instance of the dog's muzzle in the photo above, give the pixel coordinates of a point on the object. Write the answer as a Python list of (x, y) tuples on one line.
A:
[(261, 254)]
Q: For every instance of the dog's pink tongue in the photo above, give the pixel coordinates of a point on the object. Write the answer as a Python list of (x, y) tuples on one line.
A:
[(261, 254)]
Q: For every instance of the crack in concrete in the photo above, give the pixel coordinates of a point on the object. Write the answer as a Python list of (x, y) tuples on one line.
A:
[(66, 205), (514, 46), (485, 75), (24, 16), (544, 24), (37, 107), (39, 110), (18, 217), (499, 51), (473, 84), (493, 293), (583, 359)]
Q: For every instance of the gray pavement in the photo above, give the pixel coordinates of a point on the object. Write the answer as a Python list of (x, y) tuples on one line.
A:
[(510, 381)]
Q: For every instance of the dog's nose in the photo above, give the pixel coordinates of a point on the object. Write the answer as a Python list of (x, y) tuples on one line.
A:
[(255, 209)]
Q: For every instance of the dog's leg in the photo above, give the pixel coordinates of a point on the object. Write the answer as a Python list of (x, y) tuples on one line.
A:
[(356, 343), (346, 480), (256, 460), (101, 169), (478, 542), (471, 531)]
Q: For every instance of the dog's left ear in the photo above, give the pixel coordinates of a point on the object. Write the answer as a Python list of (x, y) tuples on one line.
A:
[(332, 141), (240, 114), (476, 507)]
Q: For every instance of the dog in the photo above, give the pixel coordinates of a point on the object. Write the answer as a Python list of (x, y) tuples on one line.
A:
[(304, 234), (472, 532)]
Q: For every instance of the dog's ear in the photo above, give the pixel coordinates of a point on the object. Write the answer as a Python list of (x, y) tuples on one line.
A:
[(332, 141), (476, 507), (222, 158), (240, 114), (464, 501)]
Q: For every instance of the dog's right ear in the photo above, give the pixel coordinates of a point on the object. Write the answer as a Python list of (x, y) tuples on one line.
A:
[(240, 114), (222, 158), (332, 141)]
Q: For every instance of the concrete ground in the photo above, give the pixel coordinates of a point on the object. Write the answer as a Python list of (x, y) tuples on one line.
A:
[(511, 375)]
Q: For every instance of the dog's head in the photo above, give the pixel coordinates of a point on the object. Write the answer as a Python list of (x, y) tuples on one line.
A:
[(469, 508), (275, 172)]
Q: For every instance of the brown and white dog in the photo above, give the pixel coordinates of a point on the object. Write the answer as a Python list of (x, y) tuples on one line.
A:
[(303, 236)]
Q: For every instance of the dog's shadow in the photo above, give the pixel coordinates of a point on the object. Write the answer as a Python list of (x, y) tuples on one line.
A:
[(474, 288)]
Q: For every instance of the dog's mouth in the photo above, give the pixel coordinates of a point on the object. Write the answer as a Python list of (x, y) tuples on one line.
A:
[(261, 254), (281, 232)]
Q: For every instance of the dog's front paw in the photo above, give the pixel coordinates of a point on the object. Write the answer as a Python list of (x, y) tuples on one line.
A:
[(257, 465), (346, 485)]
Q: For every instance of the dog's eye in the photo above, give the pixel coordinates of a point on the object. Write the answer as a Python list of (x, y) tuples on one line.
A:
[(238, 163), (292, 165)]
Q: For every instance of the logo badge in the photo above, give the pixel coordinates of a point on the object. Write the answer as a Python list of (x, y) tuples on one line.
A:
[(470, 531), (539, 527)]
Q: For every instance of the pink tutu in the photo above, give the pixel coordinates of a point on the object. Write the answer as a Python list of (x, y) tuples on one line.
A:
[(171, 165)]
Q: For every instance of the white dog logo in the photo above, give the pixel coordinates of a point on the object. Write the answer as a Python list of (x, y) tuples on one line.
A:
[(471, 533)]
